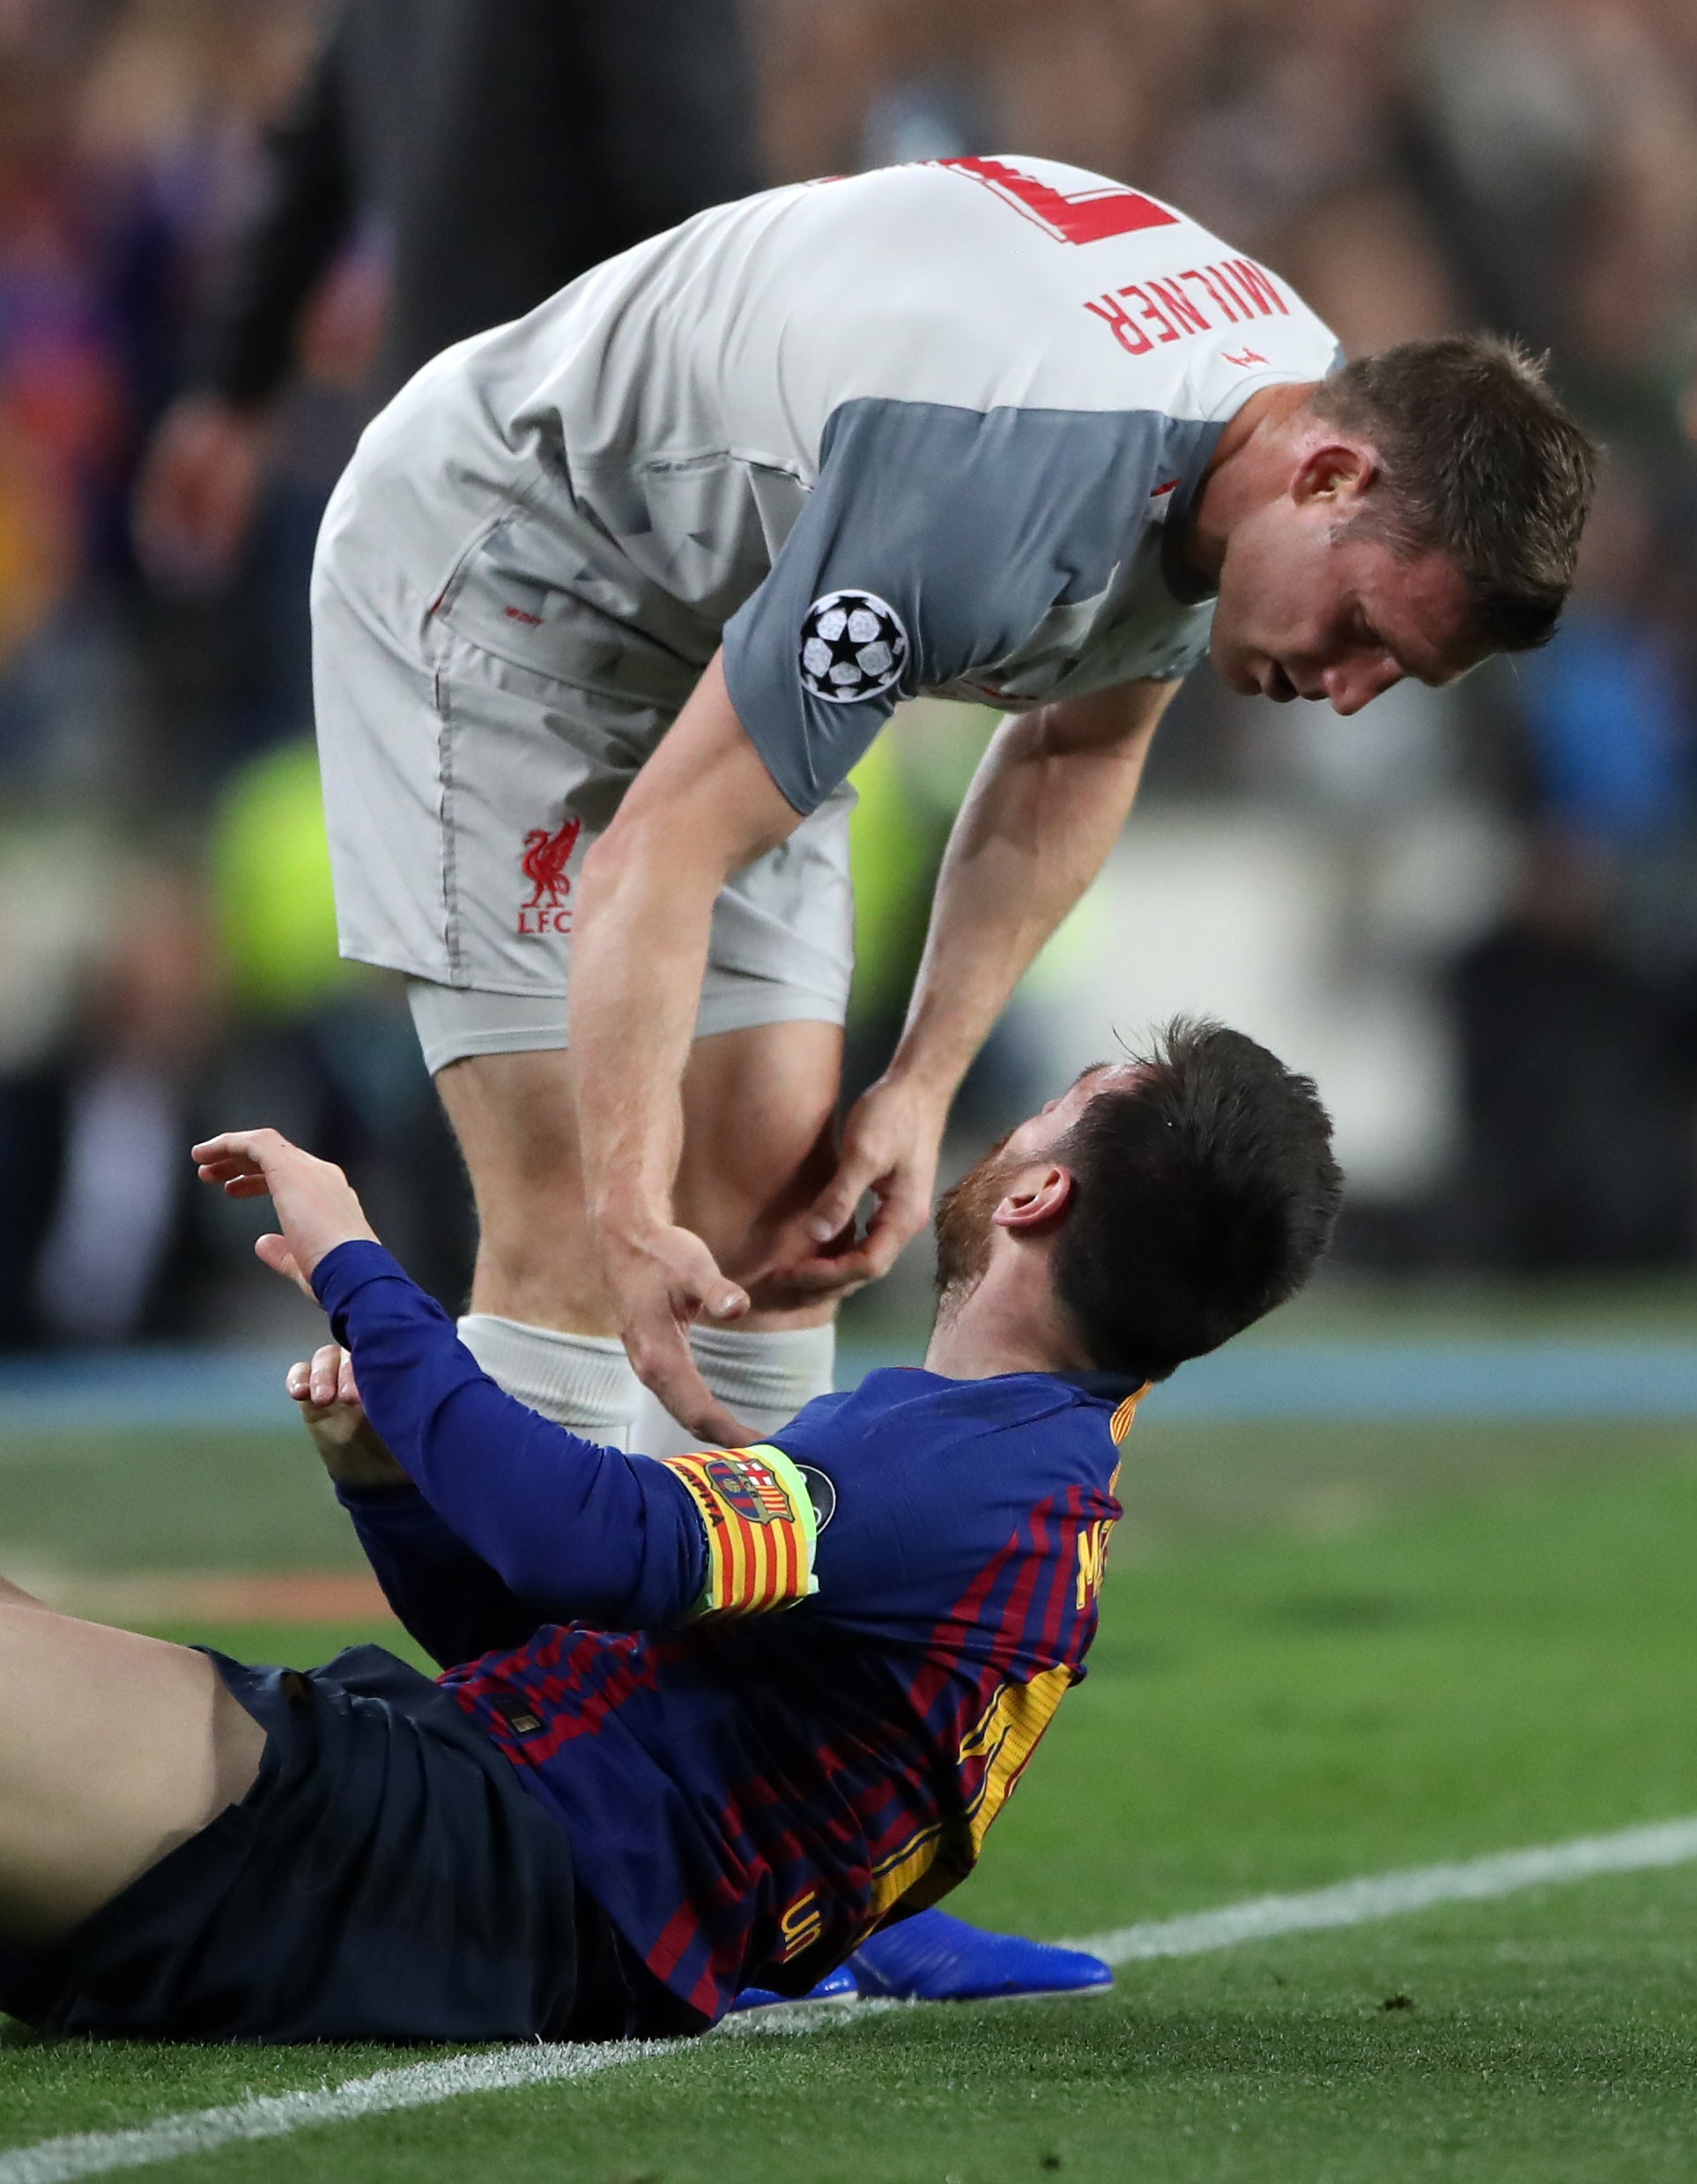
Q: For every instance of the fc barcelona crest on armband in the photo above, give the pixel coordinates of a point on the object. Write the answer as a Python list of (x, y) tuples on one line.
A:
[(749, 1487), (760, 1526)]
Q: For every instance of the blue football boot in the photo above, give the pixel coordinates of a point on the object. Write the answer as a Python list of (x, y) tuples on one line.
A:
[(838, 1985), (935, 1957)]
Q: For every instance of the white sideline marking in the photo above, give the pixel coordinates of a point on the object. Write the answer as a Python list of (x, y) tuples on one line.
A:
[(1351, 1903), (1385, 1895), (274, 2115)]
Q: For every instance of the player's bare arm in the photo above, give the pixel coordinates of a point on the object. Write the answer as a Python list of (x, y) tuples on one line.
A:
[(1047, 804), (703, 806)]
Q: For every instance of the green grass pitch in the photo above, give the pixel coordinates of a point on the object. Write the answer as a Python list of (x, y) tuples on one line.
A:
[(1325, 1653)]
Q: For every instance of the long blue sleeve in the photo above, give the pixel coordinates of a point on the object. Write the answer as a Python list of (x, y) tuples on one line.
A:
[(446, 1597), (581, 1533)]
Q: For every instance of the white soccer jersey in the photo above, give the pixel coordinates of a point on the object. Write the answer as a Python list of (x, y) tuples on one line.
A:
[(919, 430)]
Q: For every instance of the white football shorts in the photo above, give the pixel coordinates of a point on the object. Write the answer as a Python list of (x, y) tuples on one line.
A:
[(462, 793)]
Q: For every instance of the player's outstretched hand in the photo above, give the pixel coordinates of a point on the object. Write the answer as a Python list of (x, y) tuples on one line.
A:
[(664, 1280), (315, 1201), (344, 1437), (889, 1149)]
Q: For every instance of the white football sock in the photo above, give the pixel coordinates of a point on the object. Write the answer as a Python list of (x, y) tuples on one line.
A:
[(764, 1378), (580, 1381)]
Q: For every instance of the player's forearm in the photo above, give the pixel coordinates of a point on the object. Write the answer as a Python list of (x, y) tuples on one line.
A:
[(703, 806), (445, 1596), (577, 1531), (1038, 823), (640, 956)]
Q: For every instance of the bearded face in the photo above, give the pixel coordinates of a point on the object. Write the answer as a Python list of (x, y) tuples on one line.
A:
[(964, 1227)]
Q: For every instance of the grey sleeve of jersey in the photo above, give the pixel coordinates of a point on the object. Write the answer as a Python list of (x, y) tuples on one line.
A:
[(935, 542)]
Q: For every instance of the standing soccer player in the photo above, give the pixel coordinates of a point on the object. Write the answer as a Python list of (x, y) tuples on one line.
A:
[(612, 598)]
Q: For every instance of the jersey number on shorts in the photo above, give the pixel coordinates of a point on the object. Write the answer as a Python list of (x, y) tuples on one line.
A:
[(1092, 217)]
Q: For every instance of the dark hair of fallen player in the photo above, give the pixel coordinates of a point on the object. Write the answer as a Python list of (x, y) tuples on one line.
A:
[(1205, 1191)]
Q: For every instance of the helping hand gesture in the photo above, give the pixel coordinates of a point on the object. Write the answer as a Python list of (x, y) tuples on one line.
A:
[(664, 1279), (889, 1148)]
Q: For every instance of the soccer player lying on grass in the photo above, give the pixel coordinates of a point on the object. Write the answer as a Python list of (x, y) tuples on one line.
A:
[(639, 1789)]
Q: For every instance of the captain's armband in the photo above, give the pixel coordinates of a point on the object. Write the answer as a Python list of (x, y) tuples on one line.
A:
[(761, 1529)]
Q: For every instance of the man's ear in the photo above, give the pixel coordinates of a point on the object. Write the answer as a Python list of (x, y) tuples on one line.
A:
[(1336, 471), (1038, 1205)]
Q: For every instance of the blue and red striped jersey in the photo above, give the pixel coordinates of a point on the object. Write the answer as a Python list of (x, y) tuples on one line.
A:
[(776, 1698)]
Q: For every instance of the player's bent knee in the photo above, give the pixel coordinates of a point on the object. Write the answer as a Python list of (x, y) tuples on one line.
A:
[(759, 1138)]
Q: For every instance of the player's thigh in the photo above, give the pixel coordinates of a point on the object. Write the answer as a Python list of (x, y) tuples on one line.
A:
[(759, 1091), (759, 1108), (114, 1748), (515, 1115), (760, 1094)]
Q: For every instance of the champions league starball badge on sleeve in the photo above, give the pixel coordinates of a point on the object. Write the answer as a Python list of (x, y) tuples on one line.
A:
[(853, 646)]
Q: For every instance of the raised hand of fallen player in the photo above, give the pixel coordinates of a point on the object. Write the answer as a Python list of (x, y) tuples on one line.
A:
[(330, 1409), (314, 1202), (664, 1279), (889, 1149)]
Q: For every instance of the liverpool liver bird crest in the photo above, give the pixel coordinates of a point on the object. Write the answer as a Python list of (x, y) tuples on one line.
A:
[(545, 861)]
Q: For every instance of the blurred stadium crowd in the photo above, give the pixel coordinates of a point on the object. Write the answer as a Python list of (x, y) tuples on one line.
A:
[(1473, 913)]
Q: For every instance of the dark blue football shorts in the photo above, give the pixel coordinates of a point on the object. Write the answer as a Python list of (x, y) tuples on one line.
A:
[(388, 1877)]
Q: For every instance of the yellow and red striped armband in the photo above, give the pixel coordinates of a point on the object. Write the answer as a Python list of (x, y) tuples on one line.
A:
[(1120, 1424), (761, 1529)]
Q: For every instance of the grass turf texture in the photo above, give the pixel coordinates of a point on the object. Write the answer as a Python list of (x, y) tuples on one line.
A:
[(1418, 1646)]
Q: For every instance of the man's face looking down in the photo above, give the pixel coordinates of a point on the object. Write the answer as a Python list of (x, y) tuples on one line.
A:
[(966, 1214), (1313, 604)]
